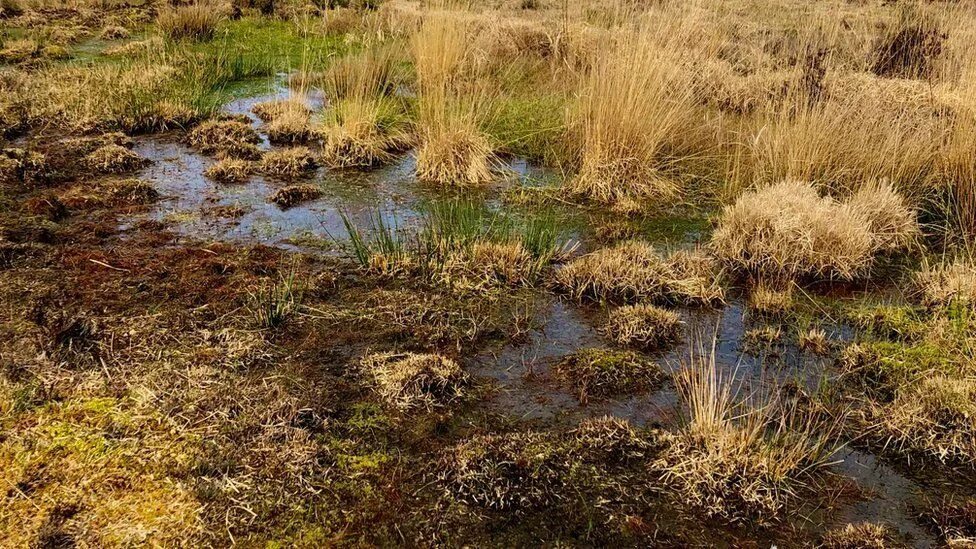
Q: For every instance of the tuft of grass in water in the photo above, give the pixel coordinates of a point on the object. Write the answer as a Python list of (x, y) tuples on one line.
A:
[(274, 302), (385, 248)]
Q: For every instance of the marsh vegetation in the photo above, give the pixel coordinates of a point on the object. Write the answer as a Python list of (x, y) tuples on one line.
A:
[(507, 273)]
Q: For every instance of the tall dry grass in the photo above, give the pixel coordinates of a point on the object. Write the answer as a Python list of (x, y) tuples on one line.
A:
[(742, 457), (636, 115), (452, 104), (197, 21)]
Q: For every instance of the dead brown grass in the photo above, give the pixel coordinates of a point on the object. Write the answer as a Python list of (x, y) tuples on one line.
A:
[(288, 163)]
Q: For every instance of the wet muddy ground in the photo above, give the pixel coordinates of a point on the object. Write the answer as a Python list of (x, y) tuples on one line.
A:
[(518, 372)]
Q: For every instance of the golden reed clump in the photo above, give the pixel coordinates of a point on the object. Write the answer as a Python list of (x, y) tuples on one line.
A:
[(787, 230)]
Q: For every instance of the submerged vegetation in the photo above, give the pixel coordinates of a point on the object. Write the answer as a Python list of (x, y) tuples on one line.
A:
[(284, 273)]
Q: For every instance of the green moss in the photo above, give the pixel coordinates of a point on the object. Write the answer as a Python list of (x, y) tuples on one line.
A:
[(882, 367), (529, 126), (897, 322), (597, 372)]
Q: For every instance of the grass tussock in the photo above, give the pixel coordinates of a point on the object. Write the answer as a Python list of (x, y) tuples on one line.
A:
[(634, 271), (911, 48), (863, 535), (645, 326), (934, 419), (366, 125), (452, 149), (736, 462), (513, 473), (601, 373), (788, 230), (947, 283), (286, 122), (290, 163), (768, 301), (196, 22), (225, 137), (114, 159), (637, 107), (230, 170), (953, 519), (293, 195), (415, 381)]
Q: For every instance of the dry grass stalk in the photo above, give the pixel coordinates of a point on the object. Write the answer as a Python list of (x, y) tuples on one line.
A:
[(637, 106)]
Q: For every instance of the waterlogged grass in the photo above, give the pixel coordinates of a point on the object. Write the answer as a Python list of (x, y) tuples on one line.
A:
[(252, 47)]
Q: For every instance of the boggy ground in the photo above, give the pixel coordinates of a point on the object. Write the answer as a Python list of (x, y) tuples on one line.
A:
[(230, 317)]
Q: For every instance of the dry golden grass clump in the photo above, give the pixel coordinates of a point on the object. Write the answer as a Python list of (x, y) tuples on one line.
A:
[(114, 159), (892, 223), (932, 419), (287, 121), (135, 47), (912, 47), (954, 519), (293, 195), (230, 170), (788, 230), (122, 192), (633, 271), (197, 21), (502, 262), (644, 326), (132, 192), (769, 301), (611, 441), (362, 133), (601, 373), (513, 472), (269, 111), (227, 137), (864, 535), (947, 283), (410, 381), (814, 340), (288, 163), (629, 271), (637, 108), (737, 463), (19, 51), (366, 125), (452, 149)]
